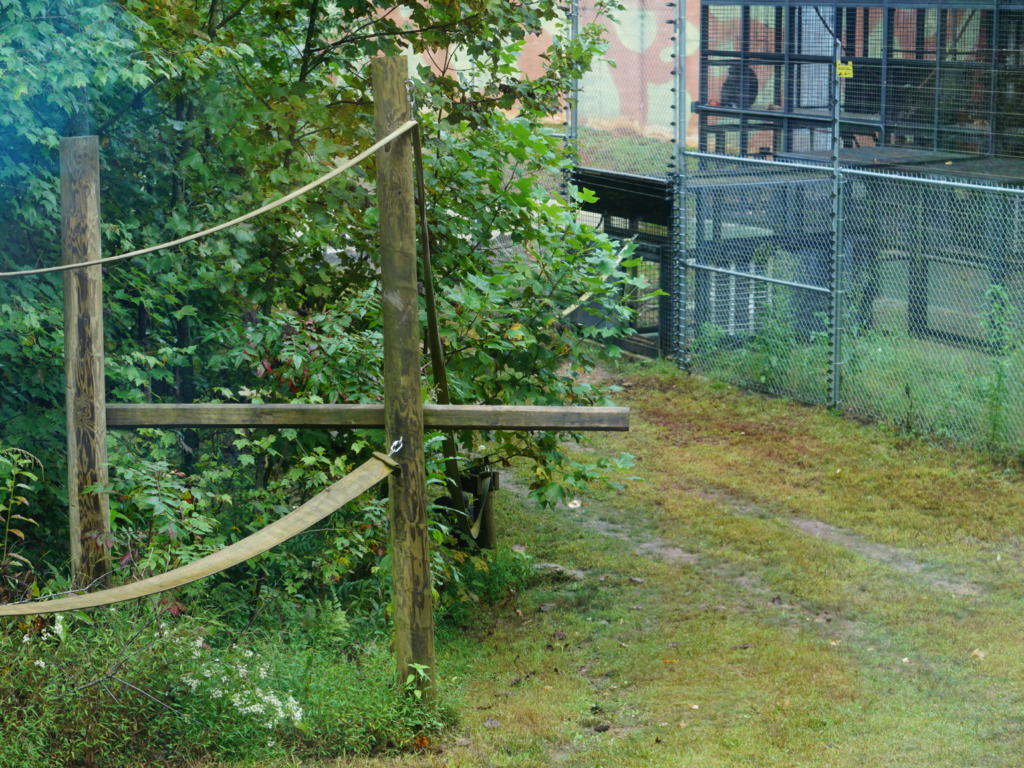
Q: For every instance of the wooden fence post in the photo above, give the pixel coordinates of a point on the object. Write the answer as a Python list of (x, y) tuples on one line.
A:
[(403, 399), (89, 514)]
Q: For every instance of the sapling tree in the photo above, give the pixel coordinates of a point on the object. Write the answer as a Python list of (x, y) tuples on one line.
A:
[(207, 110)]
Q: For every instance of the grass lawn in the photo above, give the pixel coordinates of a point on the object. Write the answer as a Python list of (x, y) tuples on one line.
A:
[(623, 150), (918, 384), (781, 587)]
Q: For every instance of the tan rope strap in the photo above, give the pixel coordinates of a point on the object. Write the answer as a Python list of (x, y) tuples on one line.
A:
[(313, 511), (227, 224)]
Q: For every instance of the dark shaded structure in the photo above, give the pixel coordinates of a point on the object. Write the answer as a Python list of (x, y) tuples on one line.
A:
[(926, 76)]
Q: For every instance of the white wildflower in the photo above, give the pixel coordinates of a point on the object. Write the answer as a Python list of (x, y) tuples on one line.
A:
[(40, 663), (191, 682), (26, 638), (294, 709)]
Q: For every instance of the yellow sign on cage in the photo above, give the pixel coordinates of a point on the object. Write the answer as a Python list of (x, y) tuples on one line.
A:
[(844, 70)]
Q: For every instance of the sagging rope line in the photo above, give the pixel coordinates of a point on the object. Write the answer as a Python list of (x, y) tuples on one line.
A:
[(350, 487), (405, 127)]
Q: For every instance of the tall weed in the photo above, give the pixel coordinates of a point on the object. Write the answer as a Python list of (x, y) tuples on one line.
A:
[(131, 685)]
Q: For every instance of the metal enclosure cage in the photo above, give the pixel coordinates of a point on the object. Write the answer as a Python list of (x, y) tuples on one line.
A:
[(925, 76), (844, 236)]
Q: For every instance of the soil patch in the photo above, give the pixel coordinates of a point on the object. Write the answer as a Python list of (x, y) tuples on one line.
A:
[(735, 504), (650, 547), (881, 553), (894, 558)]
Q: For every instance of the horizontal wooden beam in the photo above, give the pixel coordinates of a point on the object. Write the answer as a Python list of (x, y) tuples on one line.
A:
[(472, 417)]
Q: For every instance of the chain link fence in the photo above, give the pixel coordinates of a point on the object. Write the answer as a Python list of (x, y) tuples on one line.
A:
[(758, 242), (910, 313), (889, 283)]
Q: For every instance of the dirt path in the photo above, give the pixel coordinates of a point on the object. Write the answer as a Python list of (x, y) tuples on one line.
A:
[(783, 587), (779, 587)]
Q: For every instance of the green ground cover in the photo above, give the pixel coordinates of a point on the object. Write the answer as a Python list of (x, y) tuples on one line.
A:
[(922, 385), (780, 586)]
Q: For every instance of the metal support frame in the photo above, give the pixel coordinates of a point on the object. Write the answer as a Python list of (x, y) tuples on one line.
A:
[(570, 134), (836, 287), (676, 255), (994, 84), (940, 42)]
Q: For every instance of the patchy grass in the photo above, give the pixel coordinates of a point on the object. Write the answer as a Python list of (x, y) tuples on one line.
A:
[(919, 385), (881, 628), (620, 148)]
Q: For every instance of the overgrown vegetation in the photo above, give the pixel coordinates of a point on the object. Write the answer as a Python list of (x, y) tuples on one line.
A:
[(205, 111), (149, 686)]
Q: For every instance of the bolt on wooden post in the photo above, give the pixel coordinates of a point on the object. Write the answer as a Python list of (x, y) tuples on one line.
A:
[(403, 403), (89, 513)]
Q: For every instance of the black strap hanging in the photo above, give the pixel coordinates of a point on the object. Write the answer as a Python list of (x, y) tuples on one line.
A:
[(451, 462)]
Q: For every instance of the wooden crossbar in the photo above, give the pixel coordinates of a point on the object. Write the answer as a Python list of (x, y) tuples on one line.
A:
[(441, 417)]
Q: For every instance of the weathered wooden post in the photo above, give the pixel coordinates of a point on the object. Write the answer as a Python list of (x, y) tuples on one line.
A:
[(403, 399), (89, 514)]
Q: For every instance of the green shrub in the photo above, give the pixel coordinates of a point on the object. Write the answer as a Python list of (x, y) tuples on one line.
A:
[(130, 685)]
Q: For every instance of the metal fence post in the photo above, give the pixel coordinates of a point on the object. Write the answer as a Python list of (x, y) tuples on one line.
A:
[(835, 379), (570, 127), (677, 247)]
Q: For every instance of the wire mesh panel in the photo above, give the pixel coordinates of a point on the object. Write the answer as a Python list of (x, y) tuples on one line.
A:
[(933, 332), (758, 249), (861, 34), (766, 78), (929, 334), (1008, 86), (625, 117), (924, 77)]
